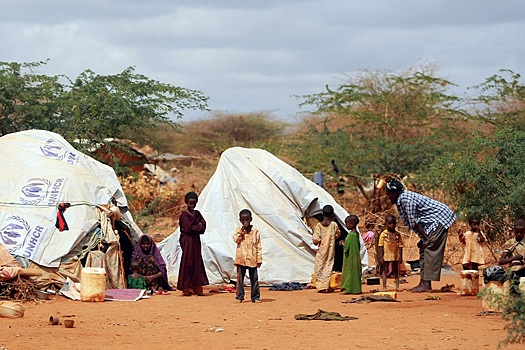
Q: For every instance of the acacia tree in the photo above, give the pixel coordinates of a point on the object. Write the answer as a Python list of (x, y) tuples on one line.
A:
[(380, 123), (91, 107), (27, 100), (487, 176)]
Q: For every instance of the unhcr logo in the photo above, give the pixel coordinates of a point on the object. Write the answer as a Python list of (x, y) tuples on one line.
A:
[(14, 232), (40, 190), (53, 150), (35, 191)]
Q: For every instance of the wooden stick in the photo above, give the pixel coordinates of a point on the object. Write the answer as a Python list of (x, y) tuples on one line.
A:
[(30, 272)]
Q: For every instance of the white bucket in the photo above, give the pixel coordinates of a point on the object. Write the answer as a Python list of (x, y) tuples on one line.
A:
[(496, 287), (93, 284), (469, 282)]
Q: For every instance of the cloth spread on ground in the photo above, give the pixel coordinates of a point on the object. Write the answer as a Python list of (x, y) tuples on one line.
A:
[(124, 294), (370, 298), (324, 316), (288, 286)]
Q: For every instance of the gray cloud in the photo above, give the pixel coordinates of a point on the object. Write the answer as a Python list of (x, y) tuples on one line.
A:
[(254, 55)]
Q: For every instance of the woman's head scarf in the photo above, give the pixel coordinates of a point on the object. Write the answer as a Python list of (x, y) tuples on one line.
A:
[(155, 252)]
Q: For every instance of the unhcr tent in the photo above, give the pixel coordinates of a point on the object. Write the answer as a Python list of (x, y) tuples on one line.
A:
[(40, 170), (280, 199)]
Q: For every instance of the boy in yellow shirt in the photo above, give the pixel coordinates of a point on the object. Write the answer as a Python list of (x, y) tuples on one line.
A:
[(390, 250), (248, 256)]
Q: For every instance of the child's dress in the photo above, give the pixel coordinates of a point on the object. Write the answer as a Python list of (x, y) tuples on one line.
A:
[(324, 259), (390, 248), (473, 248), (136, 283), (352, 269)]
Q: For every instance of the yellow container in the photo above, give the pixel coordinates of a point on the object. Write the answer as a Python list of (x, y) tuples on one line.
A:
[(469, 282), (389, 294), (93, 284), (335, 280)]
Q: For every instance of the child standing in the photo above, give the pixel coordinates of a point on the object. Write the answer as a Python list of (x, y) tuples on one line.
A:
[(352, 269), (248, 256), (390, 250), (325, 234), (473, 241), (136, 280), (192, 274), (513, 254)]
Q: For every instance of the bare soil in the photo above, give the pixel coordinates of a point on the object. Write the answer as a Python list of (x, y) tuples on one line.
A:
[(217, 321)]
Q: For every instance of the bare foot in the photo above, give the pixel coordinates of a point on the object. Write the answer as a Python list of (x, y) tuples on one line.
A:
[(416, 287), (421, 289)]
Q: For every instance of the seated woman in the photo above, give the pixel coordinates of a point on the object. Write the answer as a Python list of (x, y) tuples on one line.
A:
[(152, 265)]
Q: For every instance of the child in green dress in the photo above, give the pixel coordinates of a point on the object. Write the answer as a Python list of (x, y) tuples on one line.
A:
[(352, 269), (136, 280)]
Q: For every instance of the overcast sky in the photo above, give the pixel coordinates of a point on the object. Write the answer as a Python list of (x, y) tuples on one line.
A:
[(253, 56)]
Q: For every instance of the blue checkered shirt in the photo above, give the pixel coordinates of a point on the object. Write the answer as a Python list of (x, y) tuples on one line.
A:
[(414, 208)]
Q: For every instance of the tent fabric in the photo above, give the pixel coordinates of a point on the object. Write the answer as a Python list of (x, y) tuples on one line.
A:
[(280, 199), (40, 171)]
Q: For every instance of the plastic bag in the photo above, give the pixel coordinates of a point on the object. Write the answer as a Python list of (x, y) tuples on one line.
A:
[(494, 273)]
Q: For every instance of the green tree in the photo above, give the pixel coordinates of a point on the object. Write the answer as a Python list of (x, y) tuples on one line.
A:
[(27, 100), (221, 131), (380, 123), (501, 100), (91, 107), (487, 176)]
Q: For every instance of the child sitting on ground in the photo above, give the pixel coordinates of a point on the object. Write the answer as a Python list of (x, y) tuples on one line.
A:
[(472, 241), (135, 280), (352, 269), (513, 254), (248, 256), (390, 250)]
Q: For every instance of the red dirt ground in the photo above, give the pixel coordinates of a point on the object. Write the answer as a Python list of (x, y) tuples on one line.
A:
[(173, 321)]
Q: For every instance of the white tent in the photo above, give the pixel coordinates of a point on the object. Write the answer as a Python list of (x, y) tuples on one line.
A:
[(40, 170), (279, 198)]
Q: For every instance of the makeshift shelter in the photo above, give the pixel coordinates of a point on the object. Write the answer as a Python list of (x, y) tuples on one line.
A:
[(43, 173), (281, 201)]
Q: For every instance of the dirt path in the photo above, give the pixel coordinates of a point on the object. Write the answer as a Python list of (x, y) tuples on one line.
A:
[(173, 321)]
